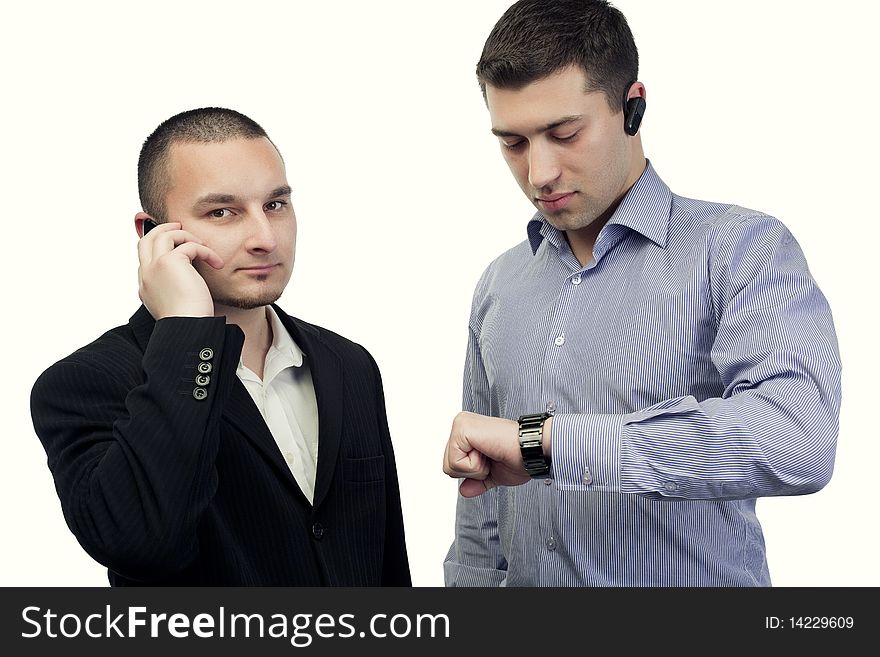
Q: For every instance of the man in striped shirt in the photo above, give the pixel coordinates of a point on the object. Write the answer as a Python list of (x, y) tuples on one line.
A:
[(643, 366)]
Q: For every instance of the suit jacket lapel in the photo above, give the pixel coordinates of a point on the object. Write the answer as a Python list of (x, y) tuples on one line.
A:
[(241, 412), (239, 409), (327, 376)]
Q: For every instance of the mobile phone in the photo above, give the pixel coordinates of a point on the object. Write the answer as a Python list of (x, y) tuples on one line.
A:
[(149, 225)]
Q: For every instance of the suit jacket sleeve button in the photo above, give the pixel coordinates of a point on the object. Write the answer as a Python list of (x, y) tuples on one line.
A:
[(205, 368), (206, 354), (200, 393), (203, 379)]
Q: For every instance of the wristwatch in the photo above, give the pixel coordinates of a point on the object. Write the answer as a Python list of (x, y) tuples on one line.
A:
[(531, 431)]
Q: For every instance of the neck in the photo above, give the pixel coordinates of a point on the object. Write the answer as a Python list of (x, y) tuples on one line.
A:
[(257, 331), (583, 239)]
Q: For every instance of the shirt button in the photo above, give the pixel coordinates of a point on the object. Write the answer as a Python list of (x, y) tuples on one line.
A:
[(548, 482), (550, 407), (206, 354), (576, 279), (288, 456), (205, 368), (587, 478), (670, 486), (560, 340), (318, 531), (551, 544), (200, 393)]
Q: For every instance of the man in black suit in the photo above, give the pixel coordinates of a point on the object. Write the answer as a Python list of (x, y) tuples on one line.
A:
[(215, 440)]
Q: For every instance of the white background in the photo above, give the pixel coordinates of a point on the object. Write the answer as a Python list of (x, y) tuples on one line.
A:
[(403, 198)]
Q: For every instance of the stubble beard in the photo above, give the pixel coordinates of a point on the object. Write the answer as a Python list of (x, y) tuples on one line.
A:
[(574, 220), (249, 302)]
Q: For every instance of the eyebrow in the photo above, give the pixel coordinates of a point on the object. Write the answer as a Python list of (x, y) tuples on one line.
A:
[(550, 126), (284, 190), (223, 199)]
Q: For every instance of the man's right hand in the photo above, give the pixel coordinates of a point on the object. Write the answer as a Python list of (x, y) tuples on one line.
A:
[(168, 284)]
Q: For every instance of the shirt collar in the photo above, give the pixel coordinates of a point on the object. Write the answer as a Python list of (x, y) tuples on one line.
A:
[(283, 346), (644, 209), (283, 352)]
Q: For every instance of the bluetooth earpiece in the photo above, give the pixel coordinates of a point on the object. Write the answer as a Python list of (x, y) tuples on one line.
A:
[(635, 110)]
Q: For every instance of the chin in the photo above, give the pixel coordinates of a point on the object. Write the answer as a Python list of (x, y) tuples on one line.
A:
[(565, 222), (249, 302)]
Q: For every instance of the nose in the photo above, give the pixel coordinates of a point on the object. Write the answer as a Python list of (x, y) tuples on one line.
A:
[(262, 237), (543, 165)]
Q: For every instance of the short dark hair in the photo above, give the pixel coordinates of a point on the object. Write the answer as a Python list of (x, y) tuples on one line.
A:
[(536, 38), (202, 125)]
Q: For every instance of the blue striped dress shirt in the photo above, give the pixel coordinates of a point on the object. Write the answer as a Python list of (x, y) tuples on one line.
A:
[(692, 367)]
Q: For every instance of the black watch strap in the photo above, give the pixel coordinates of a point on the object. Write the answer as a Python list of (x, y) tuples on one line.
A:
[(531, 434)]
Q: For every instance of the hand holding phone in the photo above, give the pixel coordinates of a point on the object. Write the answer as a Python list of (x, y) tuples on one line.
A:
[(169, 285)]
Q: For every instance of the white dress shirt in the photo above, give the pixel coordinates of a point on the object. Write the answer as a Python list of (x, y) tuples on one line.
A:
[(286, 400)]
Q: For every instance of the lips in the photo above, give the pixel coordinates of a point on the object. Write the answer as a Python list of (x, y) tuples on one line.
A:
[(555, 202), (258, 269)]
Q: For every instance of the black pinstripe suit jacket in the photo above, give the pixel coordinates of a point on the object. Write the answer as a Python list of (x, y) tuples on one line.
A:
[(168, 482)]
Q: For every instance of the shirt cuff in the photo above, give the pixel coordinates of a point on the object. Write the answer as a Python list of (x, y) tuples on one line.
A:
[(585, 452), (459, 575)]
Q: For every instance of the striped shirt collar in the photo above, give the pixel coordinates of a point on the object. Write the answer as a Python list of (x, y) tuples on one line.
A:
[(645, 209)]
